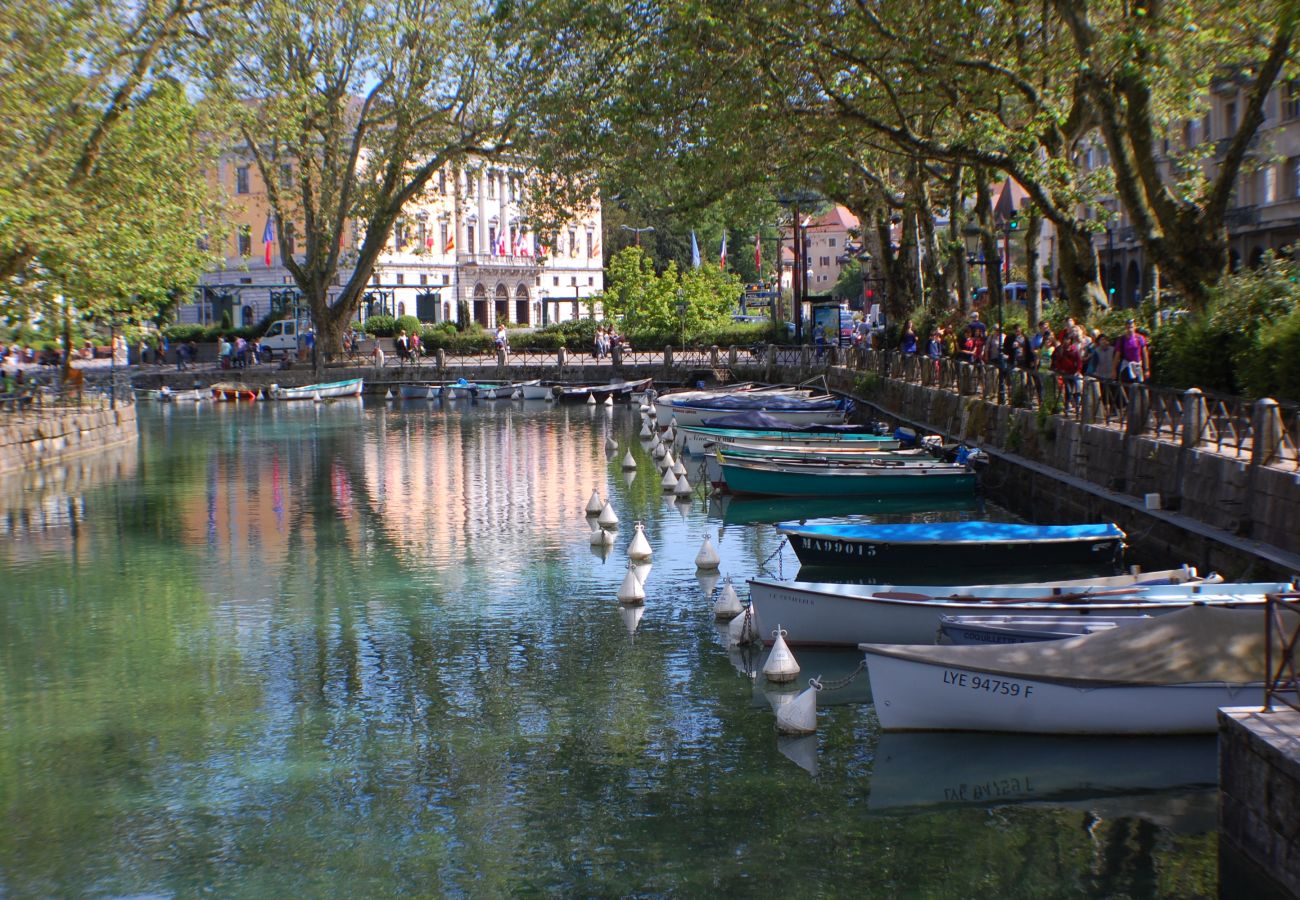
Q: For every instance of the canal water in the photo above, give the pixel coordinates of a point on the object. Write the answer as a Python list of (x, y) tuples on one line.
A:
[(308, 649)]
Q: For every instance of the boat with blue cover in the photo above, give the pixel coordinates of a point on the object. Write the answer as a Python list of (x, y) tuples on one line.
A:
[(967, 544)]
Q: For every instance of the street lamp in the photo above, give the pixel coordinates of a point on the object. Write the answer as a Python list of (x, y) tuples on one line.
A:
[(637, 231), (681, 315)]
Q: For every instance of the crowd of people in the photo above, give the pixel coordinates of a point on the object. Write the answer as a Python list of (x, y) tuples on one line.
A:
[(1068, 353)]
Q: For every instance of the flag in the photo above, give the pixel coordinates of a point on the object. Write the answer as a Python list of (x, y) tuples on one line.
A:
[(428, 241), (524, 244), (723, 256), (758, 255), (695, 252), (451, 242), (594, 250), (501, 244), (268, 238), (514, 243)]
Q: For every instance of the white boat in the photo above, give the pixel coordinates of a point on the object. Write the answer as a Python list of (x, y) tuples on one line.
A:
[(665, 403), (976, 630), (1167, 675), (698, 440), (507, 390), (324, 391), (189, 395), (820, 414), (821, 614), (420, 391), (536, 390)]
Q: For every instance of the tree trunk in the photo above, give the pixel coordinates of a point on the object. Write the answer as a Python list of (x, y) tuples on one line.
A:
[(1033, 277), (1080, 275)]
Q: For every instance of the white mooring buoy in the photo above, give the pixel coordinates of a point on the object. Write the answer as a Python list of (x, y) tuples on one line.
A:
[(629, 462), (658, 452), (388, 395), (642, 570), (631, 592), (668, 461), (595, 504), (679, 468), (672, 423), (609, 401), (517, 395), (645, 432), (591, 399), (640, 547), (799, 716), (669, 481), (781, 665), (601, 538), (683, 487), (707, 558), (727, 606), (608, 518), (743, 630), (670, 435), (315, 396)]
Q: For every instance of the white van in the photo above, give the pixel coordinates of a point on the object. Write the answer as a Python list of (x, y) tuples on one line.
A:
[(282, 337)]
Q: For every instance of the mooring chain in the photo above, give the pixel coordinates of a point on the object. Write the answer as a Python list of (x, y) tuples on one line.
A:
[(843, 682), (772, 556)]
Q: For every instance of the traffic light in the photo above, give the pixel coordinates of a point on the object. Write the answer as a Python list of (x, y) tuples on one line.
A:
[(1014, 224)]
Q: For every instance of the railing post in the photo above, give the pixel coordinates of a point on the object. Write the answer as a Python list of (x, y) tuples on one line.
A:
[(1091, 401), (668, 356), (1195, 416), (1267, 431), (562, 356), (713, 356), (1139, 405), (832, 357), (501, 357), (733, 356), (441, 359), (805, 357), (616, 355)]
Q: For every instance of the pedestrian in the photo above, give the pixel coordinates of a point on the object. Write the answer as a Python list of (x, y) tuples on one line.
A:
[(1067, 362), (181, 352), (1132, 355), (908, 343), (377, 355), (934, 350), (241, 352), (224, 351), (403, 346), (502, 339)]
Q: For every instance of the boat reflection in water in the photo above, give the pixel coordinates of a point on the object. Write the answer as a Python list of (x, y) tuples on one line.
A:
[(918, 771)]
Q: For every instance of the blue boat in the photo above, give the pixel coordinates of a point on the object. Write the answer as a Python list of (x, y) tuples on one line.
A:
[(973, 544)]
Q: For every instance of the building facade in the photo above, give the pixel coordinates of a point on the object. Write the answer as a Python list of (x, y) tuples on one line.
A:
[(1264, 214), (462, 248)]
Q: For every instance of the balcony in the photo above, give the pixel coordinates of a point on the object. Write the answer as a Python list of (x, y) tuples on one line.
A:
[(496, 261), (1241, 217)]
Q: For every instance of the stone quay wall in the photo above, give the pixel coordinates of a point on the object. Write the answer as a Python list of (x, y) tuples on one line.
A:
[(1259, 791), (1229, 514), (33, 438)]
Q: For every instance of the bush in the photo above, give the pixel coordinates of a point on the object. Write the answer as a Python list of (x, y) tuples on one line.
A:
[(439, 337), (538, 340), (409, 324), (183, 333), (380, 326), (743, 334)]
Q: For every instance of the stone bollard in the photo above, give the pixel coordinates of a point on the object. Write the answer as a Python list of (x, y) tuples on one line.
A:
[(833, 357), (616, 355), (668, 356), (714, 356), (501, 357), (1267, 428), (1195, 417), (1091, 400), (1139, 405), (805, 357), (562, 356), (733, 356), (441, 359)]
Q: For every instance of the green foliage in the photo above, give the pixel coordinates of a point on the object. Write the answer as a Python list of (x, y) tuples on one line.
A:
[(473, 340), (409, 324), (683, 303), (539, 340), (1239, 344), (380, 326)]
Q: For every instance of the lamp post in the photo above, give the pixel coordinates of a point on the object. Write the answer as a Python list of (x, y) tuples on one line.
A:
[(637, 231), (681, 315)]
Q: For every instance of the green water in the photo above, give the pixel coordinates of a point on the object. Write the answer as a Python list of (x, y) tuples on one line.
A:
[(311, 650)]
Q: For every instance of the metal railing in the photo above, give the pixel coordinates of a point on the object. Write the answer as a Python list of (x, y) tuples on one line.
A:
[(1281, 639)]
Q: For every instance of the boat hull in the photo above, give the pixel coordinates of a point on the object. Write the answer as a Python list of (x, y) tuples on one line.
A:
[(325, 391), (621, 391), (825, 551), (850, 614), (694, 416), (699, 441), (911, 695), (420, 391), (845, 482)]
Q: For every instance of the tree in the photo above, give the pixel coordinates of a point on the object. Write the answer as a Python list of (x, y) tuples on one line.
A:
[(100, 161), (677, 301), (1145, 67), (349, 107)]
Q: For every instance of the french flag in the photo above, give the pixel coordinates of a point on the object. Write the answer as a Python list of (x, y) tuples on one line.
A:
[(268, 238)]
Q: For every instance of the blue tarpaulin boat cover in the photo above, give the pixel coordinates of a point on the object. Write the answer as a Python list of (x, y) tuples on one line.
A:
[(757, 420), (957, 532)]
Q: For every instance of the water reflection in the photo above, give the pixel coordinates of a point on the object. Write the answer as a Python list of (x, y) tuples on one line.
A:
[(301, 645)]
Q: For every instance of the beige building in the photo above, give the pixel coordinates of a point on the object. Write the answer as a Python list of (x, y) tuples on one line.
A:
[(1265, 210), (465, 239)]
